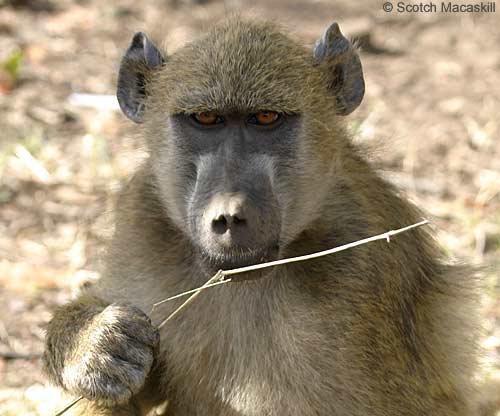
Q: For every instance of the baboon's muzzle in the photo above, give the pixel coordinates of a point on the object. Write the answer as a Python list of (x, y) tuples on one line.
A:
[(234, 228), (237, 231)]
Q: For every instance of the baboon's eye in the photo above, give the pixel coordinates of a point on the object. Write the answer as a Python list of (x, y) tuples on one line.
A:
[(207, 118), (264, 118)]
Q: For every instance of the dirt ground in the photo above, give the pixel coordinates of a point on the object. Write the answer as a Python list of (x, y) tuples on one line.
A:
[(430, 116)]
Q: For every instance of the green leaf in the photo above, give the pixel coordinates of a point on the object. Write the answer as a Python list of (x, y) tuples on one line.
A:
[(12, 64)]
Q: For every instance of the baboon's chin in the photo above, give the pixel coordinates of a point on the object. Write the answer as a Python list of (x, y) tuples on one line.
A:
[(213, 261)]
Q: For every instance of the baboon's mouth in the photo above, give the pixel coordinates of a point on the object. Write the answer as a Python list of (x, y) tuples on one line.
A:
[(236, 258)]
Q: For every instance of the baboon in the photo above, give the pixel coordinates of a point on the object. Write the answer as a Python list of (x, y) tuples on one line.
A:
[(249, 161)]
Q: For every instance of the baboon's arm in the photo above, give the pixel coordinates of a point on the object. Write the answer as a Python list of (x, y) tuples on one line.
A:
[(100, 351)]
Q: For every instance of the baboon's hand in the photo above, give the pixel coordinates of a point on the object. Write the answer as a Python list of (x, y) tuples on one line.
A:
[(113, 355)]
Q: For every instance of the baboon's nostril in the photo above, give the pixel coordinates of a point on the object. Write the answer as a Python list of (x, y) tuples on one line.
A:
[(226, 222), (239, 221), (220, 225)]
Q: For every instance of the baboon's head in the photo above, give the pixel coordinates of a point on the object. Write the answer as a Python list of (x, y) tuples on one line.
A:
[(243, 132)]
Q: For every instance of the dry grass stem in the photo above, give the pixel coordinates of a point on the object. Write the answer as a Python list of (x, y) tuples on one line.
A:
[(188, 292), (385, 236), (215, 278), (68, 406), (218, 278)]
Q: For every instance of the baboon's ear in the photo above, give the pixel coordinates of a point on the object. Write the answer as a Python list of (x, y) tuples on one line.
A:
[(142, 57), (340, 61)]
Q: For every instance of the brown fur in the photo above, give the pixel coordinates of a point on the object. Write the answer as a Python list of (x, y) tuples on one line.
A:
[(381, 329)]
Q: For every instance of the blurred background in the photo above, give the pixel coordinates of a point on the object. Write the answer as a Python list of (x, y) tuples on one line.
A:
[(430, 117)]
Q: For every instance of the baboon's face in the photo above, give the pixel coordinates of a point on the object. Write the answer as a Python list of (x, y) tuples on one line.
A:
[(237, 180), (235, 129)]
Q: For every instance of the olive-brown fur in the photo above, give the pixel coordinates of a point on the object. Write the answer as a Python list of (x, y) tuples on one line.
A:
[(381, 329)]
